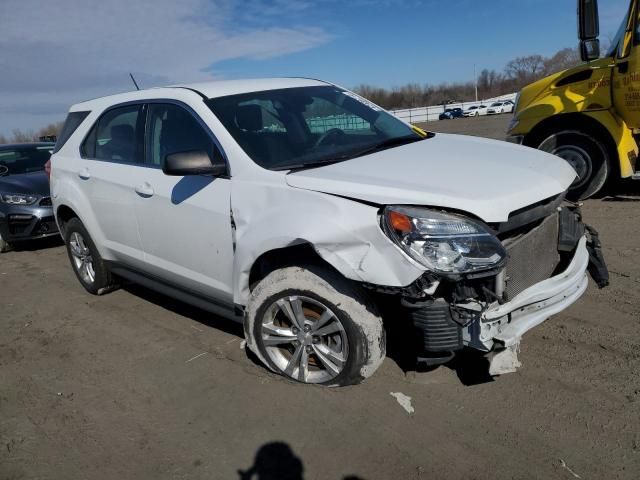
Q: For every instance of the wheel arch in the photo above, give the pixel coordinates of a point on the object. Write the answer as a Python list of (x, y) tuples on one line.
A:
[(574, 121), (64, 213), (296, 255)]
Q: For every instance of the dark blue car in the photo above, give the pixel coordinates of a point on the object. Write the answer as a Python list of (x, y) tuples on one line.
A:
[(25, 203), (451, 113)]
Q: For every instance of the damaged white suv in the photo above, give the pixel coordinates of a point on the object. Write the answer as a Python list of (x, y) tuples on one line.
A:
[(320, 221)]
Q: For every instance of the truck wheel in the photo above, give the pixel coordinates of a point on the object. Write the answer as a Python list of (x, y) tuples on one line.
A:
[(86, 262), (314, 326), (5, 246), (586, 154)]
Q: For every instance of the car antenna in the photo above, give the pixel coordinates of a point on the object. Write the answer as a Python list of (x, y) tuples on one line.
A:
[(134, 81)]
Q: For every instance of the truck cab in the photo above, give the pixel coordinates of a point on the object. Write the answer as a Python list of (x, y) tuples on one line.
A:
[(590, 114)]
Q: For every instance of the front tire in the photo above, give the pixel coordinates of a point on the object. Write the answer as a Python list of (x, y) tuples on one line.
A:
[(85, 259), (586, 154), (312, 325)]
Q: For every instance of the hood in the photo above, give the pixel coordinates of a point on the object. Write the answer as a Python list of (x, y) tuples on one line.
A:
[(36, 182), (487, 178)]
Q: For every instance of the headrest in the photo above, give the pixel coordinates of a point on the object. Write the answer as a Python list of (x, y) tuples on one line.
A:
[(122, 132), (249, 118)]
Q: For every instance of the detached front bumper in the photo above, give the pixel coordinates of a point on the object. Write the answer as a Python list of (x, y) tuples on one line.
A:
[(506, 324)]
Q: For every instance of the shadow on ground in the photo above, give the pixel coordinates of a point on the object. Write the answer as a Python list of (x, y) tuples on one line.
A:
[(39, 244), (277, 461)]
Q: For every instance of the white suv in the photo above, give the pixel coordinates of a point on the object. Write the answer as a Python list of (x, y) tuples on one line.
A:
[(310, 214)]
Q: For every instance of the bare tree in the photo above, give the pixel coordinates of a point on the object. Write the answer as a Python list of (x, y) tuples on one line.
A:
[(564, 59), (525, 69), (22, 136)]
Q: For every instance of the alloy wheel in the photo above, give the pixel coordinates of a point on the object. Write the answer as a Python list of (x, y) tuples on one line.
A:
[(304, 339), (82, 259)]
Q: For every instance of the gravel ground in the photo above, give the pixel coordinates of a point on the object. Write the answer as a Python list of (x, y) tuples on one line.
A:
[(132, 385)]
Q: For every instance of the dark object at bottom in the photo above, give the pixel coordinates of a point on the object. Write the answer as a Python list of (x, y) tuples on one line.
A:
[(597, 265), (437, 333)]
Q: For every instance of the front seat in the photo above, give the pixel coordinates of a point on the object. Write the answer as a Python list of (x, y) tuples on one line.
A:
[(122, 145)]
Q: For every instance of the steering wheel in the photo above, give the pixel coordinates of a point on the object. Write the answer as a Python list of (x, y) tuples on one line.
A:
[(333, 132)]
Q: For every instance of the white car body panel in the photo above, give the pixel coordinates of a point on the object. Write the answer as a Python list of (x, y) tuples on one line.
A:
[(445, 172), (167, 224)]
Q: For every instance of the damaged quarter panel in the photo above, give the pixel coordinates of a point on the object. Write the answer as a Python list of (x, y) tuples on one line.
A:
[(270, 215)]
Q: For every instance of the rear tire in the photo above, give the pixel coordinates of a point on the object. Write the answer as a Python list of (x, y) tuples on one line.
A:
[(335, 339), (586, 154), (87, 264)]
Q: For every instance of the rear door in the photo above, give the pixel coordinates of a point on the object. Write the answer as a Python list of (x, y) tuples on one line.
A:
[(112, 158), (626, 73), (184, 222)]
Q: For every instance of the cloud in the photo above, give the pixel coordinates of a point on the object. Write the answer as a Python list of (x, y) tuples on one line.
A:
[(59, 52)]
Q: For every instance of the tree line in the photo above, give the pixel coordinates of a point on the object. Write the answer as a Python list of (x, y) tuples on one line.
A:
[(27, 136), (491, 83)]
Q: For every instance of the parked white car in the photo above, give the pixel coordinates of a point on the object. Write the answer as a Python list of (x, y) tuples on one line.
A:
[(300, 209), (476, 111), (500, 107)]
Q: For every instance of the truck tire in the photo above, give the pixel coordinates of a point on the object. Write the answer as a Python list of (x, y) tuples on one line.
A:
[(312, 325), (587, 154), (86, 262)]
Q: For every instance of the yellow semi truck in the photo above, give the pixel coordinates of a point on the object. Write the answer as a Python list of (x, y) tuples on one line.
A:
[(589, 115)]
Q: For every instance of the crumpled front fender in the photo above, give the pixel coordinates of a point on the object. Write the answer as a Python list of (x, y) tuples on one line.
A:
[(345, 233)]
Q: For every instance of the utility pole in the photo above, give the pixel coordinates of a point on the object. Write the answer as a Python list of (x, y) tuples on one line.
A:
[(475, 80)]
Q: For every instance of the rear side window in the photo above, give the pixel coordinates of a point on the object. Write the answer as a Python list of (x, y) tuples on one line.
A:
[(115, 136), (73, 121)]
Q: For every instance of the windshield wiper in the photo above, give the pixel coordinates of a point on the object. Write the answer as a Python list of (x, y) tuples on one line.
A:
[(388, 143), (306, 165)]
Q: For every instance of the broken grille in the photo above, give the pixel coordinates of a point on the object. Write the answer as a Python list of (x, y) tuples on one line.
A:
[(532, 256)]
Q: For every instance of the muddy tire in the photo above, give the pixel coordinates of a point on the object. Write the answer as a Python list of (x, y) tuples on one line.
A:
[(312, 325), (85, 260), (586, 154)]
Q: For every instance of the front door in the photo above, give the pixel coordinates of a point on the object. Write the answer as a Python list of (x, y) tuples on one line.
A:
[(184, 222), (626, 73)]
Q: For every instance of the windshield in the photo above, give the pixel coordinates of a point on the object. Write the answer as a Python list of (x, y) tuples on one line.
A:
[(25, 159), (617, 39), (306, 126)]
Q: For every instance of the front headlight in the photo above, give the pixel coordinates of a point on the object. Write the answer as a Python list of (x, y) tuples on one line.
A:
[(18, 198), (443, 242)]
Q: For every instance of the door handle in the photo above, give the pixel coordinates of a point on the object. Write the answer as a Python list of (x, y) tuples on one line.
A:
[(84, 174), (145, 190)]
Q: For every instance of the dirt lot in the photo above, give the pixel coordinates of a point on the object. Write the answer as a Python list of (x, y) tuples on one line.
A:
[(132, 385)]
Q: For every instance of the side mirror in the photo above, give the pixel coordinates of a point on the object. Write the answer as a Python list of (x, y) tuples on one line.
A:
[(195, 162), (588, 20), (589, 50)]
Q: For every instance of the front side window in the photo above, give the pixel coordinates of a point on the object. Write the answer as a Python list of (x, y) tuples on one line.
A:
[(115, 136), (27, 159), (306, 126), (172, 129)]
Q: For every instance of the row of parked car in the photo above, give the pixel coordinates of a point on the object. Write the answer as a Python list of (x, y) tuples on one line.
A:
[(308, 238), (495, 108)]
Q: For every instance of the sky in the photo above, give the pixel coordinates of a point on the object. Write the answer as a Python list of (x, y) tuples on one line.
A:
[(56, 53)]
